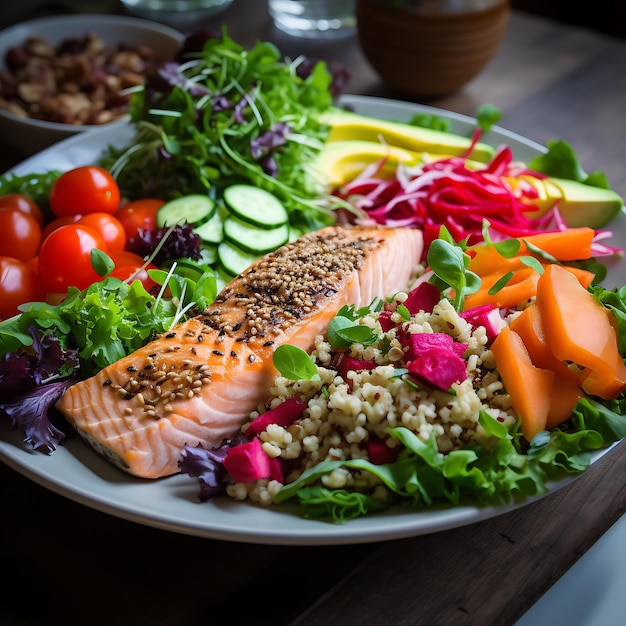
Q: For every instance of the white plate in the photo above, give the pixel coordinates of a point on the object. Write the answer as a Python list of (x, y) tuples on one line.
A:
[(75, 471)]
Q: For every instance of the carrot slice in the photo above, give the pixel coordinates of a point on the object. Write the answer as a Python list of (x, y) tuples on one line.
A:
[(571, 244), (529, 387), (521, 287), (580, 330), (566, 391)]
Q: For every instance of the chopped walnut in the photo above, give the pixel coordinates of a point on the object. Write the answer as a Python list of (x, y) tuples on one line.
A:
[(78, 81)]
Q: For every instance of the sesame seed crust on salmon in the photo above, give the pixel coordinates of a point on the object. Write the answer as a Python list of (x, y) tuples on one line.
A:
[(198, 383)]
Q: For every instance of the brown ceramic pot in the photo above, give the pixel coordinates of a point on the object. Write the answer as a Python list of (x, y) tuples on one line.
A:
[(430, 48)]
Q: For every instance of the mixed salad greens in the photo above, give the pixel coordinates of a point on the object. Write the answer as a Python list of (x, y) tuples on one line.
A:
[(225, 115)]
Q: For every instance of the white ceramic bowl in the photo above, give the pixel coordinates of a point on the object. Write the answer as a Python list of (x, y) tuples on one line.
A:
[(28, 136)]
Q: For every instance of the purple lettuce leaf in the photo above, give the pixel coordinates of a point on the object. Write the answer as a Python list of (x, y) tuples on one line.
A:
[(30, 412), (15, 373), (33, 366), (181, 242), (208, 466)]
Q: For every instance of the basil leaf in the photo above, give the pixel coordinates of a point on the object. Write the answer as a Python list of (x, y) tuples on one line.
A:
[(294, 363)]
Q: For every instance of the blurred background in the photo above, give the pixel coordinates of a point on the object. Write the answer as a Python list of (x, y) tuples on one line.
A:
[(608, 16)]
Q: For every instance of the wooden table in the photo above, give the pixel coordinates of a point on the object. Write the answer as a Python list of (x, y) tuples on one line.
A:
[(62, 561)]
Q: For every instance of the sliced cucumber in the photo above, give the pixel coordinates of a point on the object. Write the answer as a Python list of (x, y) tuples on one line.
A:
[(233, 259), (256, 206), (211, 231), (254, 239), (193, 209), (222, 278), (208, 254)]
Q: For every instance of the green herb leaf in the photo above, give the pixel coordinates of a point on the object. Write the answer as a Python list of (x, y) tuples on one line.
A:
[(428, 120), (500, 284), (533, 263), (101, 262), (449, 263), (404, 312), (294, 363), (542, 254), (343, 332), (560, 161), (487, 115)]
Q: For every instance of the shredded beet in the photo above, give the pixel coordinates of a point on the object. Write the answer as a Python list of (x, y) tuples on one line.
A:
[(450, 193)]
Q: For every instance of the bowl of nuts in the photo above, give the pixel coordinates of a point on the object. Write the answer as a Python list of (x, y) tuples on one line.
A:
[(64, 75)]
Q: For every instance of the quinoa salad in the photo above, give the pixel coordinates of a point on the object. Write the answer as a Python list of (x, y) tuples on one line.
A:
[(350, 408)]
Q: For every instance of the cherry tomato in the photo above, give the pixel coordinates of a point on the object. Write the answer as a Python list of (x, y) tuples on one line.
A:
[(65, 258), (20, 234), (139, 214), (57, 222), (108, 226), (125, 258), (22, 203), (18, 284), (85, 189), (138, 272)]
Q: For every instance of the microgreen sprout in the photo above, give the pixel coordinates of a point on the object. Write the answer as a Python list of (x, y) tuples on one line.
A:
[(450, 264)]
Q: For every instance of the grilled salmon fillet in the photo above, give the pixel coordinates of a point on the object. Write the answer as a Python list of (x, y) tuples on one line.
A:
[(198, 383)]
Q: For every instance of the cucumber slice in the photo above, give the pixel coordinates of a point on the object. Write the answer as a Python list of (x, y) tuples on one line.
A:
[(233, 259), (222, 278), (254, 239), (211, 231), (208, 254), (256, 206), (184, 267), (193, 209)]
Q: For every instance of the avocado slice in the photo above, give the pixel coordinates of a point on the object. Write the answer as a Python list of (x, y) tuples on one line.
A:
[(342, 161), (346, 125), (584, 205)]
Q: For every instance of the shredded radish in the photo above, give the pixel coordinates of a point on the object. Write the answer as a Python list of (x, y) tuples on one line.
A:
[(449, 193)]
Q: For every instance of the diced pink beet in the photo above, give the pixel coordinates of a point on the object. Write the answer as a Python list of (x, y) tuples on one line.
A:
[(421, 342), (350, 364), (379, 452), (247, 462), (440, 367), (424, 297), (384, 319), (276, 470), (485, 315), (284, 415)]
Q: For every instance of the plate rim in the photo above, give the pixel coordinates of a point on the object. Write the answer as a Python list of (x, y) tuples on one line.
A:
[(221, 519)]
